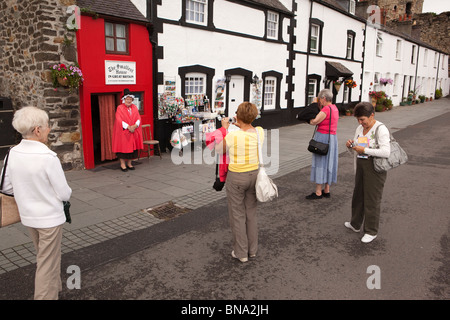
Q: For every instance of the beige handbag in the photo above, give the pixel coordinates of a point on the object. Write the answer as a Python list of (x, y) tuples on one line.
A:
[(9, 213)]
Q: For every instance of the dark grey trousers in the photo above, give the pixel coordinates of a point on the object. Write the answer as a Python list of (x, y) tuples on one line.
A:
[(241, 199), (367, 196)]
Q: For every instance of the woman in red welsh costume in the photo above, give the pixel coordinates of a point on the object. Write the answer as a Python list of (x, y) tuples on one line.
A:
[(127, 133)]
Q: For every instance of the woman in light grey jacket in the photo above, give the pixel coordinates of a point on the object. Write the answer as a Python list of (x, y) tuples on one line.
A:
[(35, 176), (369, 184)]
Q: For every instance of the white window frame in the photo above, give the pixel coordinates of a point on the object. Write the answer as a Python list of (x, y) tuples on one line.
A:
[(425, 58), (350, 39), (398, 50), (312, 94), (194, 84), (413, 54), (272, 25), (379, 45), (270, 90), (435, 60), (197, 11), (352, 6), (316, 36)]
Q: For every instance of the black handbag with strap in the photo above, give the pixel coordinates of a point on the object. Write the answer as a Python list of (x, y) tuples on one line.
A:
[(218, 185), (317, 147)]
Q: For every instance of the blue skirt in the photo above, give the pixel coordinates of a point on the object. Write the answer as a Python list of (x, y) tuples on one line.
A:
[(324, 168)]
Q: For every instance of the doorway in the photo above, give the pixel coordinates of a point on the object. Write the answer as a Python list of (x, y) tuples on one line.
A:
[(103, 108), (236, 95)]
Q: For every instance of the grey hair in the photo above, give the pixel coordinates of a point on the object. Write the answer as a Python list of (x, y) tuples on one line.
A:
[(28, 118), (327, 94)]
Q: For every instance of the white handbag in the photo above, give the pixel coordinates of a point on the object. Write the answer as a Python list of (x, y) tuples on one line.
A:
[(266, 190)]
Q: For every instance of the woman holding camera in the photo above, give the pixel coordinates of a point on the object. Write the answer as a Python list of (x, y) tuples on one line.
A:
[(369, 184), (242, 149)]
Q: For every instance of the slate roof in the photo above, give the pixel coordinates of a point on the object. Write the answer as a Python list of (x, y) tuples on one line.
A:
[(124, 9), (271, 4)]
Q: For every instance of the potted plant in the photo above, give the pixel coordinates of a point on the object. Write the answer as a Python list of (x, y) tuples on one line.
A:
[(409, 100), (388, 104), (66, 76), (380, 108), (348, 112), (438, 93), (376, 96), (422, 98)]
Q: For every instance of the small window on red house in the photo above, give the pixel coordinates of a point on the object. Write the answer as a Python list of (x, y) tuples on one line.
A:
[(116, 38)]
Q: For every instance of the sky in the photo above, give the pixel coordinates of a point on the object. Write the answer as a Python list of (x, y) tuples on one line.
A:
[(436, 6)]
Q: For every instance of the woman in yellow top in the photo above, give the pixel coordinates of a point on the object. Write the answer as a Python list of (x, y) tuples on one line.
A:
[(242, 148)]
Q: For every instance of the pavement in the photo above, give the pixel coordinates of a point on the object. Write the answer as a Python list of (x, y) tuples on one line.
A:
[(113, 213)]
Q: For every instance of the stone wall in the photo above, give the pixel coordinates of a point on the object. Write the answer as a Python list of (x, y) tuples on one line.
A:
[(32, 37), (434, 29)]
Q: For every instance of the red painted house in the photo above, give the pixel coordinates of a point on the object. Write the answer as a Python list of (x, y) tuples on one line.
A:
[(114, 53)]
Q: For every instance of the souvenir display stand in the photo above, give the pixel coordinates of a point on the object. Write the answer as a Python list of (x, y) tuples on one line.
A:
[(183, 115)]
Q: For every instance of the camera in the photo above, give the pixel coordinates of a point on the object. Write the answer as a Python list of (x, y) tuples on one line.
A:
[(231, 120), (352, 145)]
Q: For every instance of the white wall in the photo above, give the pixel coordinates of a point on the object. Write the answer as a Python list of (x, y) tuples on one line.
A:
[(186, 46), (334, 46), (420, 73)]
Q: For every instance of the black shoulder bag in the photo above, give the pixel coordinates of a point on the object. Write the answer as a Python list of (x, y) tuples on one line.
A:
[(317, 147)]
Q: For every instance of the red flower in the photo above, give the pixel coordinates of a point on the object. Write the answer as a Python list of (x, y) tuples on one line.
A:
[(62, 65)]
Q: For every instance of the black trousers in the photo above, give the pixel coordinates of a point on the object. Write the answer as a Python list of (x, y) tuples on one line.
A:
[(367, 194)]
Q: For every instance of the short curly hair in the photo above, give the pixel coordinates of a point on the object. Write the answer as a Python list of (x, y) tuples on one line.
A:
[(28, 118), (247, 112)]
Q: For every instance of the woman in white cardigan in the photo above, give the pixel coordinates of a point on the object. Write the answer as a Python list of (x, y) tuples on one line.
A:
[(369, 184), (35, 176)]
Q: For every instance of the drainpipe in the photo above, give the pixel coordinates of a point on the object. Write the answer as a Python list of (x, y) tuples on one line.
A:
[(417, 66), (363, 60), (437, 75), (308, 53)]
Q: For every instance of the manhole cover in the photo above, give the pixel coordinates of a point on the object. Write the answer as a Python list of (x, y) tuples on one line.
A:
[(167, 211)]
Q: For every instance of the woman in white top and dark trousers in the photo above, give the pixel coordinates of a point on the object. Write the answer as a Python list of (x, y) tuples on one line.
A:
[(35, 176), (369, 184)]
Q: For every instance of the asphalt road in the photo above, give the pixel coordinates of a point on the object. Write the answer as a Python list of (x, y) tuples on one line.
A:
[(305, 252)]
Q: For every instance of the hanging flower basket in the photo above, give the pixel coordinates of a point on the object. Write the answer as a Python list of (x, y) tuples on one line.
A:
[(350, 83), (337, 85), (64, 82), (385, 81), (66, 76)]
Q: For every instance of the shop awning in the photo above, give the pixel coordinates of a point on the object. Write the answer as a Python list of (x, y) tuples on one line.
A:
[(336, 70)]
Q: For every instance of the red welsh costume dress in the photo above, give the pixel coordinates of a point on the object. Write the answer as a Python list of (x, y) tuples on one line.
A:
[(126, 143)]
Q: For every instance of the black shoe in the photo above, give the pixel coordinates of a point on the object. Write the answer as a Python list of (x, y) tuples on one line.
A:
[(326, 195), (313, 196), (130, 168), (123, 170)]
